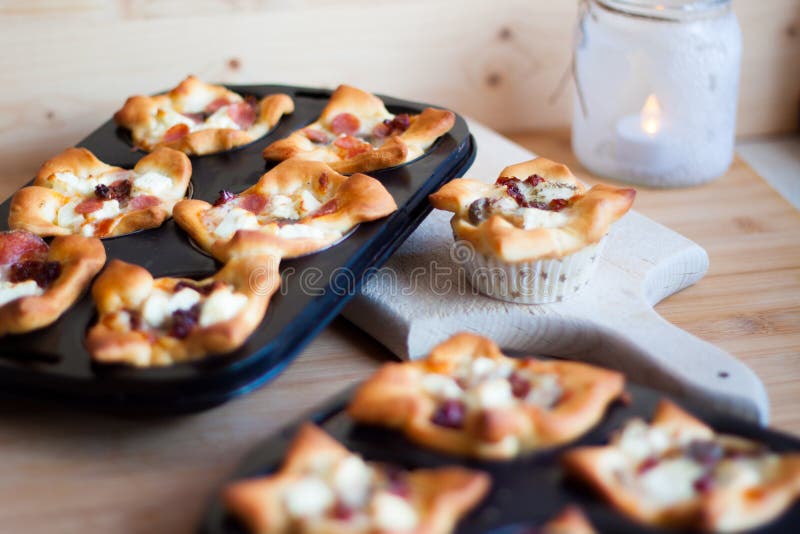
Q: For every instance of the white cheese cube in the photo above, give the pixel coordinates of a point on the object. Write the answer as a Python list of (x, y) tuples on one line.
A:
[(109, 210), (351, 480), (155, 310), (545, 391), (441, 386), (282, 207), (308, 497), (219, 119), (182, 300), (308, 202), (70, 184), (671, 481), (300, 231), (493, 393), (235, 219), (221, 305), (67, 218), (152, 183), (393, 513), (10, 291), (536, 218)]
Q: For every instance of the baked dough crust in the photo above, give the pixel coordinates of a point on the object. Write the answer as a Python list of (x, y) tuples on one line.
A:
[(139, 115), (81, 258), (124, 286), (395, 397), (33, 208), (424, 129), (441, 495), (356, 199), (590, 215), (721, 509), (570, 520)]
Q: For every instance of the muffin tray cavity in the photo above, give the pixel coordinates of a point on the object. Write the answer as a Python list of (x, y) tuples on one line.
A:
[(526, 492), (52, 364)]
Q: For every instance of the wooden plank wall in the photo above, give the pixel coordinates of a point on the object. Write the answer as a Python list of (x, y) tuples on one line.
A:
[(67, 65)]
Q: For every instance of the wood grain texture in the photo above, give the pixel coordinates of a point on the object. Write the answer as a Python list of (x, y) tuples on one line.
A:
[(71, 63)]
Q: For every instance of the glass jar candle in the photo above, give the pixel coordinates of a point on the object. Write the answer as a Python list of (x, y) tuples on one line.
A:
[(656, 86)]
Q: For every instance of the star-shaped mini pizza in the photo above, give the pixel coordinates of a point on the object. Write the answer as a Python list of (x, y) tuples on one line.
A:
[(199, 118), (38, 283), (296, 208), (678, 472), (536, 209), (76, 193), (356, 133), (145, 321), (468, 398), (322, 488)]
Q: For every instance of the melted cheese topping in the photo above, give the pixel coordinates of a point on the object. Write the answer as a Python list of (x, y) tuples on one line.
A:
[(225, 220), (221, 305), (528, 218), (355, 485), (165, 117), (484, 383), (80, 188)]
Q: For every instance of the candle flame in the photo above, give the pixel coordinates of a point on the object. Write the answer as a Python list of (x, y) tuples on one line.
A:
[(651, 115)]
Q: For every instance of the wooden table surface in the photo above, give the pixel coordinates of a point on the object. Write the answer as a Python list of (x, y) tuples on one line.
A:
[(65, 471)]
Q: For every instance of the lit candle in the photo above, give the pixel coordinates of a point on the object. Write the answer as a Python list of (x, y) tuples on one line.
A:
[(643, 140)]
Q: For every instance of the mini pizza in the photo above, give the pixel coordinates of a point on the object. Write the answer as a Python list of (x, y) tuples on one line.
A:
[(39, 283), (324, 488), (536, 209), (678, 472), (76, 193), (198, 118), (296, 208), (356, 133), (467, 398), (146, 322)]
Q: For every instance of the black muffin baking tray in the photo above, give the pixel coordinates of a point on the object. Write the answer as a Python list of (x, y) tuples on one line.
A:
[(525, 492), (52, 364)]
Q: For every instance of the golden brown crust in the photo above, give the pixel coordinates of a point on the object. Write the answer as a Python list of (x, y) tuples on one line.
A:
[(123, 286), (81, 258), (723, 508), (589, 215), (35, 208), (356, 199), (570, 520), (442, 495), (424, 129), (139, 115), (394, 397)]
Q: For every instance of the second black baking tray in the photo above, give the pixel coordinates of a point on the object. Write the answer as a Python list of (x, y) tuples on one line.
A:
[(526, 492), (52, 364)]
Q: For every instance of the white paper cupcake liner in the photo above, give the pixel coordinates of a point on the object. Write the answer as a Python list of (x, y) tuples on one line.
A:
[(534, 282)]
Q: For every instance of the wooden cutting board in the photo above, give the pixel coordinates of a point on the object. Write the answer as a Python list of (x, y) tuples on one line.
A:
[(421, 297)]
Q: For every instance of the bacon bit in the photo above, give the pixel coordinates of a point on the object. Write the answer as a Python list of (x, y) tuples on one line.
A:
[(205, 290), (351, 146), (326, 209), (478, 211), (558, 204), (143, 202), (42, 272), (345, 123), (398, 482), (224, 196), (342, 512), (21, 245), (176, 132), (317, 136), (450, 414), (183, 321), (243, 114), (533, 180), (503, 180), (253, 203), (647, 465), (324, 181), (390, 127), (704, 484), (119, 190), (520, 387), (215, 105), (135, 319), (90, 205)]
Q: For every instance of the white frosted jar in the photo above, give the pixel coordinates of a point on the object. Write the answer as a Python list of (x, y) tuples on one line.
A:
[(656, 90)]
